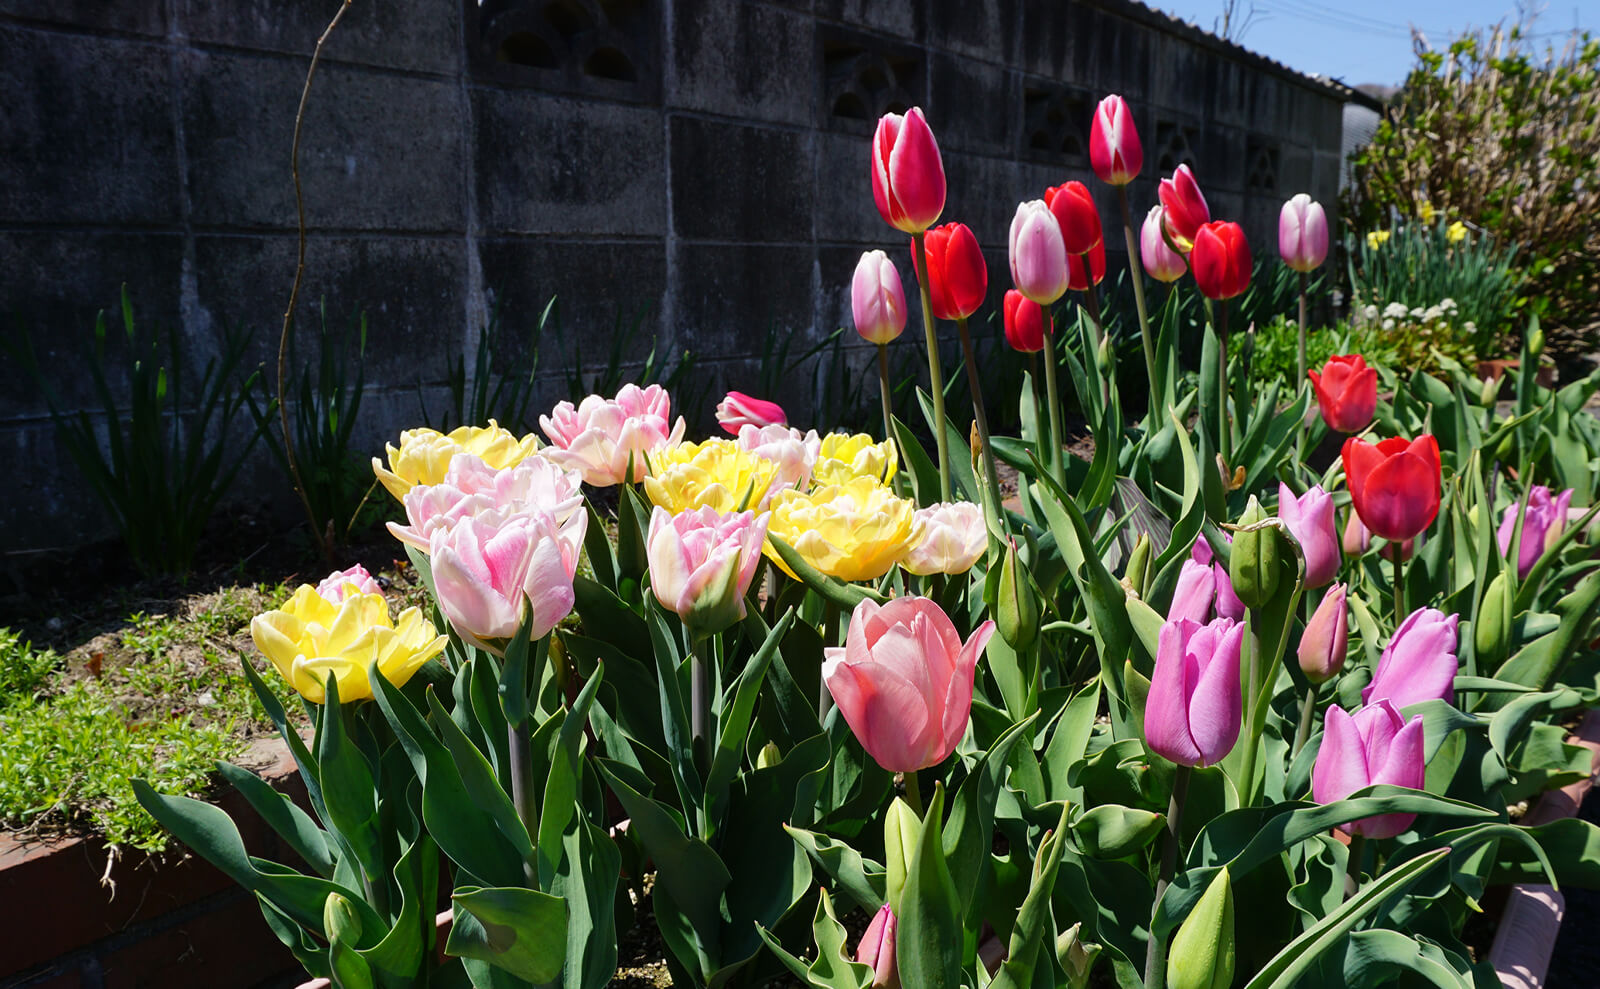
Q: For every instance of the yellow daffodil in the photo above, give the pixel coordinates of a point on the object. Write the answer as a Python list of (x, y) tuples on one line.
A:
[(1376, 239), (311, 638), (1426, 212), (856, 530), (717, 474), (1456, 232), (845, 457), (424, 455)]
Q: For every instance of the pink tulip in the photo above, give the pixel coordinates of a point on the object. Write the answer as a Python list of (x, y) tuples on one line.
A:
[(947, 538), (492, 570), (343, 583), (738, 410), (877, 299), (471, 487), (1310, 519), (1038, 254), (793, 453), (1303, 233), (1196, 595), (1228, 604), (1115, 153), (1326, 640), (1375, 746), (701, 564), (1160, 261), (903, 681), (907, 173), (602, 436), (876, 949), (1193, 713), (1357, 537), (1543, 525), (1419, 663), (1185, 209)]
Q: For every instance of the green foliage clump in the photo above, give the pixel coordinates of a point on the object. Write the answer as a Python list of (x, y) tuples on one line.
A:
[(23, 669)]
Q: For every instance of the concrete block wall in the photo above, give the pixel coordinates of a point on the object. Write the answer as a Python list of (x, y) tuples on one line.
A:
[(702, 162)]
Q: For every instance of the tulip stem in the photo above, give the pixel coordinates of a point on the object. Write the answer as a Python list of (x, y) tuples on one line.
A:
[(1358, 848), (1092, 303), (1308, 714), (1155, 957), (1304, 280), (1136, 268), (1225, 437), (888, 412), (980, 417), (1052, 394), (522, 795), (1399, 582), (830, 634), (1252, 738), (913, 792), (935, 374), (700, 696)]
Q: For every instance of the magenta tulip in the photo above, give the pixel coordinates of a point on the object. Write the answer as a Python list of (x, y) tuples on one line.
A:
[(601, 437), (1326, 640), (1038, 254), (1193, 713), (1419, 663), (903, 681), (1303, 233), (1545, 521), (876, 949), (1184, 206), (1310, 519), (1196, 595), (702, 562), (1160, 261), (492, 571), (1374, 746), (737, 410), (1357, 538), (1228, 604), (908, 183), (877, 299), (1115, 153)]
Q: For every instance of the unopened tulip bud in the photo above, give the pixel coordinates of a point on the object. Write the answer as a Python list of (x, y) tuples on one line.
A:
[(1326, 638), (1115, 153), (1357, 540), (1489, 391), (1202, 954), (877, 299), (876, 950), (1076, 956), (1103, 357), (769, 756), (1303, 233), (908, 183), (1038, 254), (1253, 567), (1161, 262), (901, 830), (1137, 575), (1536, 341), (1492, 631), (340, 922), (1016, 611)]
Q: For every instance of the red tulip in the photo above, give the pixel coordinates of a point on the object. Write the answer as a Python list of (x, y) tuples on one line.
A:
[(1097, 264), (1347, 392), (1074, 209), (1024, 323), (1186, 209), (907, 173), (1114, 150), (1395, 485), (1221, 260), (960, 277)]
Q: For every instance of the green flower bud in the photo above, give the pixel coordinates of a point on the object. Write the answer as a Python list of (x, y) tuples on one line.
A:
[(768, 756), (1492, 631), (1202, 950), (340, 922), (1535, 340), (1254, 564), (901, 831), (1077, 957), (1489, 391), (1103, 357), (1136, 578), (1017, 612)]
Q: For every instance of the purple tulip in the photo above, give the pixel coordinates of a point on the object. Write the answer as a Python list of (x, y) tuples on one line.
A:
[(1327, 637), (1541, 527), (1419, 663), (1228, 603), (1310, 519), (1192, 714), (1196, 595), (1374, 746)]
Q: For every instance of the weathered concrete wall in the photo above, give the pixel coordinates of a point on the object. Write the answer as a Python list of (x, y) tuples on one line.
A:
[(706, 159)]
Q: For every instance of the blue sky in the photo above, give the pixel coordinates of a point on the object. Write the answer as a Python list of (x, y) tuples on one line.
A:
[(1369, 40)]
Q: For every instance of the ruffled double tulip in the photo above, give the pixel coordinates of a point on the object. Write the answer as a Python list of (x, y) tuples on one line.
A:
[(1038, 254), (341, 584), (1375, 745), (876, 950), (489, 573), (1303, 233), (1221, 260), (1347, 392), (857, 530), (314, 637), (737, 410), (472, 487), (1394, 485), (843, 457), (903, 681), (877, 299), (948, 538), (1161, 262), (1419, 663), (1326, 640), (602, 437), (1077, 278), (1310, 519), (792, 454), (1184, 209), (908, 183), (1074, 209), (424, 455), (1192, 716), (958, 277), (701, 564), (1542, 526), (716, 473), (1024, 322), (1115, 153)]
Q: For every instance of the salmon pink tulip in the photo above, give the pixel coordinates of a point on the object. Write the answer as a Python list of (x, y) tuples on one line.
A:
[(701, 564), (1192, 716), (343, 583), (1375, 745), (492, 571), (908, 183), (1347, 392), (1114, 150), (1394, 485)]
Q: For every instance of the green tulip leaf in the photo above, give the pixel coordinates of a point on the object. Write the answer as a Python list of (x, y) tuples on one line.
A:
[(1110, 831), (929, 941), (522, 931)]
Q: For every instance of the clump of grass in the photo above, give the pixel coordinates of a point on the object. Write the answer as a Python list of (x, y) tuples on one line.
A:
[(23, 669)]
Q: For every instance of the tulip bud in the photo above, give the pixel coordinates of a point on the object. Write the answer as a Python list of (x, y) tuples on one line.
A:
[(1489, 391), (1254, 565), (876, 949), (340, 922), (1356, 540), (1038, 254), (1221, 260), (1024, 322), (1184, 208), (1103, 357), (908, 183), (1201, 956), (960, 278), (1326, 638), (1136, 578), (1115, 153), (769, 756), (1017, 613), (901, 831), (1492, 631), (1303, 233), (1347, 392), (1160, 261), (1074, 208), (1076, 956), (877, 299), (1536, 341)]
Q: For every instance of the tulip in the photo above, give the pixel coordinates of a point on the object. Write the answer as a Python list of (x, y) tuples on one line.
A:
[(1542, 526), (843, 457), (313, 637), (792, 454), (1024, 322), (1492, 631), (471, 487), (345, 583), (1356, 539), (1076, 281), (1303, 234), (1016, 609), (1184, 209), (907, 173), (1074, 209), (877, 299), (1374, 746), (716, 473), (1310, 520), (903, 681), (738, 410), (1395, 485), (947, 538), (1192, 716), (424, 455), (1326, 639), (1114, 150), (1202, 953), (1347, 393), (960, 278), (902, 830), (1221, 260), (856, 530), (1196, 595), (1419, 663), (1038, 254), (1161, 262), (491, 573), (1253, 565), (876, 950), (701, 564), (1227, 602), (602, 437), (1403, 550)]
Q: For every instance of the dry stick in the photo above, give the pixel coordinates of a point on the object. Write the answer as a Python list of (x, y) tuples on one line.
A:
[(888, 413), (1136, 267), (324, 541)]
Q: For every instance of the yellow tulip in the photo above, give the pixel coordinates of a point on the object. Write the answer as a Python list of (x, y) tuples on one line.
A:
[(856, 530), (424, 455), (311, 638), (1456, 232), (1376, 239), (845, 457), (717, 474)]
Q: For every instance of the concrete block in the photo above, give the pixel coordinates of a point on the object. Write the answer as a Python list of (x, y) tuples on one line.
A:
[(377, 152), (731, 182), (902, 18), (1113, 54), (50, 506), (731, 296), (844, 206), (744, 60), (609, 51), (982, 195), (132, 18), (989, 30), (973, 105), (546, 164), (423, 37), (864, 76)]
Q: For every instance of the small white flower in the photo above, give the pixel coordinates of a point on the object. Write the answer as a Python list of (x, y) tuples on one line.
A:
[(1388, 324), (1371, 312), (1395, 310)]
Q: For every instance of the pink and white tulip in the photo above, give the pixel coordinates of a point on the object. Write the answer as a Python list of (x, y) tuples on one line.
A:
[(342, 584), (947, 537), (472, 487), (908, 183), (793, 453), (1115, 153), (1038, 253), (492, 570), (1303, 234), (877, 299), (1160, 261), (1374, 746), (600, 437), (1193, 713), (702, 562), (738, 410)]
